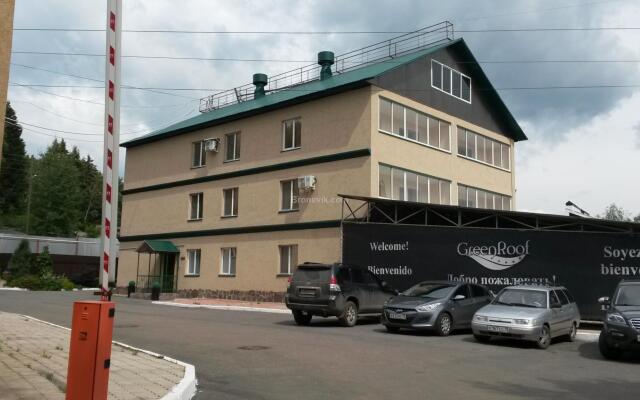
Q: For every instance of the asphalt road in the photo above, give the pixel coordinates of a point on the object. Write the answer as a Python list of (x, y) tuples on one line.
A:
[(250, 355)]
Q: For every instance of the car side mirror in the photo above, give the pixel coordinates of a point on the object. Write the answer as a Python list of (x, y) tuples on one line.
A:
[(556, 305), (460, 297), (605, 302)]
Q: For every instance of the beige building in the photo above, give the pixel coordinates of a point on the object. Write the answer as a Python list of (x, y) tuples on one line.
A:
[(6, 35), (228, 202)]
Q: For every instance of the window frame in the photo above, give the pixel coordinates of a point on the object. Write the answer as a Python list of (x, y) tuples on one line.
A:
[(486, 193), (236, 146), (404, 125), (451, 71), (293, 205), (203, 154), (406, 186), (291, 263), (188, 270), (234, 202), (295, 145), (233, 255), (200, 206), (501, 144)]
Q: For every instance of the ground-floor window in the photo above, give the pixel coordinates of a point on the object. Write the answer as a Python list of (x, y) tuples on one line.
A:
[(228, 266), (193, 263), (288, 258)]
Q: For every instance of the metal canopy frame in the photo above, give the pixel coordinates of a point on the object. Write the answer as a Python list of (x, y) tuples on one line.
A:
[(360, 209), (143, 282)]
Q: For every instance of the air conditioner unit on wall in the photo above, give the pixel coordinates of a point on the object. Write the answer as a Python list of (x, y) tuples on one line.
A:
[(307, 183), (212, 145)]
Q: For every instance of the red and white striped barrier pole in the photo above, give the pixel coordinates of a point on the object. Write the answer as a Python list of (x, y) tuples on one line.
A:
[(111, 145)]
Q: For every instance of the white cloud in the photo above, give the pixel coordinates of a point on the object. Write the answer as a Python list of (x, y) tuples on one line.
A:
[(595, 166)]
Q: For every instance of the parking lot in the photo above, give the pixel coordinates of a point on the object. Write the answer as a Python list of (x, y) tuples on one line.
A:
[(250, 355)]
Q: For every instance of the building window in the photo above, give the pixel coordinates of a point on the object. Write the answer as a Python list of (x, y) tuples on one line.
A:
[(228, 266), (450, 81), (478, 198), (193, 262), (232, 151), (483, 149), (230, 202), (413, 125), (195, 206), (198, 154), (291, 134), (288, 259), (399, 184), (289, 196)]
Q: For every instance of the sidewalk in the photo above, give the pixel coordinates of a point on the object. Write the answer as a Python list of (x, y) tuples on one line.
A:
[(223, 304), (33, 364)]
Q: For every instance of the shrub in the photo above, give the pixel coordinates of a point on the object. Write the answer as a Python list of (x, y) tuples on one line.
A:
[(21, 262), (31, 282), (44, 264), (34, 282)]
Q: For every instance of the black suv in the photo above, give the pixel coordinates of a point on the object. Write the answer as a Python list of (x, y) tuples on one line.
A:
[(621, 330), (343, 291)]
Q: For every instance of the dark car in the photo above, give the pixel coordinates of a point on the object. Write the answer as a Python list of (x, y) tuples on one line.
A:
[(441, 306), (621, 322), (343, 291)]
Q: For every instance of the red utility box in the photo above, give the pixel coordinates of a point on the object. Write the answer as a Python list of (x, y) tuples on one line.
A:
[(90, 350)]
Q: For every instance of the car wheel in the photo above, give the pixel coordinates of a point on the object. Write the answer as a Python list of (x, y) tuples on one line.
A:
[(544, 339), (571, 337), (482, 338), (444, 324), (392, 329), (607, 351), (349, 316), (302, 318)]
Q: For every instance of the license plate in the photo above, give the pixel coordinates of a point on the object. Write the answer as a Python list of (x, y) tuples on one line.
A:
[(393, 315), (501, 329), (307, 292)]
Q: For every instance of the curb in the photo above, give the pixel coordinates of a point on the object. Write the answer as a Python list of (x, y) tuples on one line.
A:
[(184, 390), (227, 308)]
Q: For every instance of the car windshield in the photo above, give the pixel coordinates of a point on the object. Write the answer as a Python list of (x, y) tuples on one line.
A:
[(430, 290), (628, 296), (522, 298)]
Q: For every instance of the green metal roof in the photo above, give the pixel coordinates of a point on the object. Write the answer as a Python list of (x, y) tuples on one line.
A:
[(157, 246), (308, 91)]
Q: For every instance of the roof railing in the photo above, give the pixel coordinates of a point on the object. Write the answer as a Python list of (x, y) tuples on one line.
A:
[(378, 52)]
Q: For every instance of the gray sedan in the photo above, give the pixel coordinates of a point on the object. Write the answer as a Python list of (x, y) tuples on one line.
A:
[(532, 313), (440, 306)]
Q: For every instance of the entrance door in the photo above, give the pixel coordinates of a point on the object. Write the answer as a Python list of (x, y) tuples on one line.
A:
[(167, 271)]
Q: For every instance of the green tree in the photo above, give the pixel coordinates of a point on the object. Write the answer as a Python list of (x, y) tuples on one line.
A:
[(636, 218), (615, 213), (14, 168), (55, 199), (44, 263), (21, 262)]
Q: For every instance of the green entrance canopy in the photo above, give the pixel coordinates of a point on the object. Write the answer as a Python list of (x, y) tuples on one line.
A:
[(157, 246)]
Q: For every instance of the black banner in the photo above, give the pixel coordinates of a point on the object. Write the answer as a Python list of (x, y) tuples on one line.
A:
[(589, 264)]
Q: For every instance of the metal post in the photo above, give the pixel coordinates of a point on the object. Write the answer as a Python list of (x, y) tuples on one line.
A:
[(111, 143)]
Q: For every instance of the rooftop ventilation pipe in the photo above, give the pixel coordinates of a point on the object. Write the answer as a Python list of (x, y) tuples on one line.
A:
[(260, 80), (326, 60)]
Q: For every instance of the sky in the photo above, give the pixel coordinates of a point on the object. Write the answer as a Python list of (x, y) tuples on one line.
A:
[(584, 143)]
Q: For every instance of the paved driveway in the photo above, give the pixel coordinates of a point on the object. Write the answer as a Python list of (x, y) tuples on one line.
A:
[(246, 355)]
